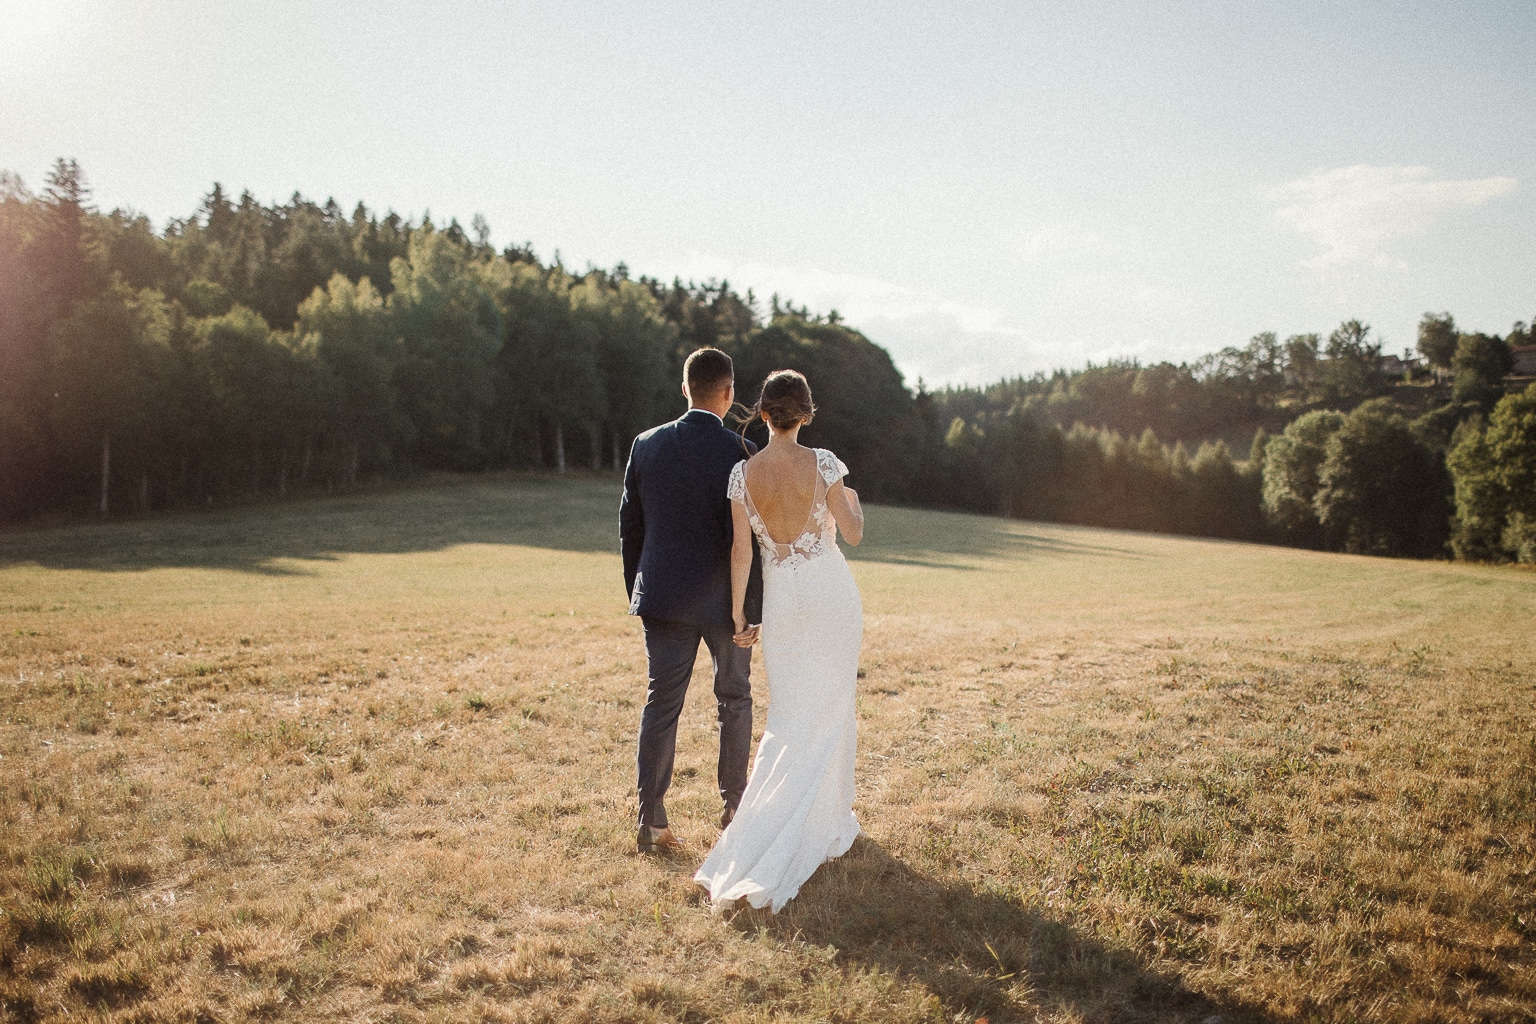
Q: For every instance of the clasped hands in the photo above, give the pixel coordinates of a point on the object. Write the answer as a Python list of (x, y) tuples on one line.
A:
[(746, 636)]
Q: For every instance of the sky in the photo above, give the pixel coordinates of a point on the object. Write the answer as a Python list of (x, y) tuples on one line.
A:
[(985, 189)]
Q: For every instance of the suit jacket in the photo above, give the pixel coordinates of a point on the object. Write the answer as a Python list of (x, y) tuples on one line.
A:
[(675, 523)]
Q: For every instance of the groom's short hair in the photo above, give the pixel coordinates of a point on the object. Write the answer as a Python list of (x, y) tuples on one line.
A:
[(708, 372)]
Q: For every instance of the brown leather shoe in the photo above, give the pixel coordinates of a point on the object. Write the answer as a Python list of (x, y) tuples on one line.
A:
[(727, 816), (658, 841)]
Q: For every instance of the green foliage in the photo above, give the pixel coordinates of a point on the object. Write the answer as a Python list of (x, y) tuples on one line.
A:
[(1352, 371), (1494, 470), (204, 298), (1293, 463), (254, 348), (1228, 394), (352, 335), (1256, 449), (265, 396), (450, 330), (1519, 537), (1480, 364), (1512, 441), (1301, 356), (110, 379), (1381, 489), (133, 251), (49, 260), (1019, 466), (1437, 426), (1480, 502), (1224, 499), (633, 340), (586, 363), (1437, 339)]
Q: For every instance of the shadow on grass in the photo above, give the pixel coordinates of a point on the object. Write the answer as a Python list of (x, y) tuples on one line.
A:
[(923, 537), (575, 513), (976, 952)]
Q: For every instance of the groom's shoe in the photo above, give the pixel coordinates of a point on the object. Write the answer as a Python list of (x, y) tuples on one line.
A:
[(727, 816), (658, 841)]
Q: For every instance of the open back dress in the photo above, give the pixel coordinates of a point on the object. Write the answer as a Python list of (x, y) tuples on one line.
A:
[(797, 812)]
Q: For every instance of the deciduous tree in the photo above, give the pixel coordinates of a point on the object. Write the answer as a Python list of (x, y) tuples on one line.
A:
[(1292, 463), (1480, 364), (1381, 490), (450, 329), (1437, 339), (1494, 469)]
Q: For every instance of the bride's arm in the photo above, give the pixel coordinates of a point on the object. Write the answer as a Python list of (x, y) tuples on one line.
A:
[(843, 501), (741, 568)]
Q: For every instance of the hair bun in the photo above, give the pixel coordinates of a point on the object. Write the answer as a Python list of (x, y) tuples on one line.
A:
[(786, 399)]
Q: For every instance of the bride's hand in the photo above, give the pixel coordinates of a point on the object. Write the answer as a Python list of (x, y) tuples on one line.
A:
[(745, 635)]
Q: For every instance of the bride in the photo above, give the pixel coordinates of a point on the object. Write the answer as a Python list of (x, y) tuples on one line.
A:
[(797, 811)]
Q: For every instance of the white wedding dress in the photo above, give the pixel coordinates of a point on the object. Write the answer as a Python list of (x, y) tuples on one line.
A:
[(797, 812)]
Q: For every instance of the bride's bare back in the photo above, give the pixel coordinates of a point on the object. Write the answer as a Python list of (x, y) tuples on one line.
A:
[(783, 485), (782, 480)]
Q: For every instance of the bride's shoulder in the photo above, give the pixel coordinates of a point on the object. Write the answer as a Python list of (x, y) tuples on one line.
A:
[(736, 482), (831, 467)]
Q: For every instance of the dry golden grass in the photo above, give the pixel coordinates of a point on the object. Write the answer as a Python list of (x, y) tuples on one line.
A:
[(371, 759)]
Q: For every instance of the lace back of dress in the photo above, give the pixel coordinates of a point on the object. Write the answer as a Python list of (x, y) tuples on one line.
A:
[(817, 531)]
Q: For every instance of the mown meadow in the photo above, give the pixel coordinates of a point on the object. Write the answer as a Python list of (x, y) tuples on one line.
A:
[(370, 757)]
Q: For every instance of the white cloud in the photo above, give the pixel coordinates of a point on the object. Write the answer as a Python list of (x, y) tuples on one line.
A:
[(854, 296), (1356, 213), (928, 335), (1059, 313), (1060, 240), (936, 348)]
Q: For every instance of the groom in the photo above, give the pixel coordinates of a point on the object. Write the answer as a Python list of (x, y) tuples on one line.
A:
[(675, 533)]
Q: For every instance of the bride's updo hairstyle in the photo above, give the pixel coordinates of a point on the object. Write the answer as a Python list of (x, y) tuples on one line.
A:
[(785, 400)]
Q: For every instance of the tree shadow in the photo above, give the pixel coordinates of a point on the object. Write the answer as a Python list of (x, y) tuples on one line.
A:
[(944, 540), (578, 512), (980, 954)]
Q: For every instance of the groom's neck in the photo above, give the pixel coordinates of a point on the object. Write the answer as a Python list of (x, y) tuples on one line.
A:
[(719, 405)]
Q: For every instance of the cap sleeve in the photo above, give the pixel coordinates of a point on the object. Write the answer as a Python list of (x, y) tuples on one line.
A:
[(830, 466), (736, 488)]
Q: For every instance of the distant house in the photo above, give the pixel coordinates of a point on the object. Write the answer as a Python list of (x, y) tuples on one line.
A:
[(1525, 360), (1399, 366)]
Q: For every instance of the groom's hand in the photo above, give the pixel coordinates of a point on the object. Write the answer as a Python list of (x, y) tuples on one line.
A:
[(747, 637)]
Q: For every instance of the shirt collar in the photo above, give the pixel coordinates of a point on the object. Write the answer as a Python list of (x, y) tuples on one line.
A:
[(706, 412)]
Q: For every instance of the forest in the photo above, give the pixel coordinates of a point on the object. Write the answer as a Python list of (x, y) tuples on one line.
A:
[(257, 351)]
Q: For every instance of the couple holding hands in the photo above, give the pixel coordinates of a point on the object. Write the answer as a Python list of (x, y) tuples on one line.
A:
[(700, 502)]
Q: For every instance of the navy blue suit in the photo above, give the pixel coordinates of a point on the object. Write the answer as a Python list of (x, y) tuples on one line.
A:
[(675, 522), (675, 531)]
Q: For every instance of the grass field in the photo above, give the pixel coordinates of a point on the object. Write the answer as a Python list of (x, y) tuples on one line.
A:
[(370, 758)]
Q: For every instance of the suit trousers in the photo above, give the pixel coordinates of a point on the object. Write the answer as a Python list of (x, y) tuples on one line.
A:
[(670, 651)]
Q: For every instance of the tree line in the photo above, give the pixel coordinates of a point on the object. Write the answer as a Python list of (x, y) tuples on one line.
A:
[(259, 349), (1343, 448), (256, 348)]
